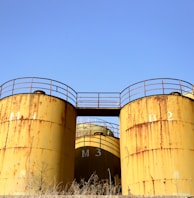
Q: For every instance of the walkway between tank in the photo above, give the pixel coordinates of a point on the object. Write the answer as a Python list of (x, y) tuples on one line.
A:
[(98, 111)]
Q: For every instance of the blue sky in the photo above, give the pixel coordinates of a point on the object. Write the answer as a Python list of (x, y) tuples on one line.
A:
[(102, 45)]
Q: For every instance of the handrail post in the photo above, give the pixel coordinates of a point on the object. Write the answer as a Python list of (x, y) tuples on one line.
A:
[(144, 86), (50, 87), (129, 94), (31, 85), (13, 87), (98, 99), (67, 93), (180, 87), (163, 86), (76, 100), (120, 100)]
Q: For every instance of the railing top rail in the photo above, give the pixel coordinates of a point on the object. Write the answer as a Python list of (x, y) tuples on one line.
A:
[(137, 90), (155, 86), (33, 84), (156, 79)]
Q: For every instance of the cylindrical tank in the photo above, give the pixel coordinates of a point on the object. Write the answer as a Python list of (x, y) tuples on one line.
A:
[(37, 142), (97, 151), (157, 145), (190, 95)]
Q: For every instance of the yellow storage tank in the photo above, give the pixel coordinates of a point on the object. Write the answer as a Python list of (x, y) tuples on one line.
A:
[(157, 146), (190, 95), (97, 151), (37, 143)]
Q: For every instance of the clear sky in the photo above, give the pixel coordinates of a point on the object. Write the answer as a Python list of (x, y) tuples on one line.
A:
[(97, 45)]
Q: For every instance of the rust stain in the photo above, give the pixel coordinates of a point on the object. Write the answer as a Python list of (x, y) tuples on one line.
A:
[(153, 184), (157, 146), (2, 152), (7, 134)]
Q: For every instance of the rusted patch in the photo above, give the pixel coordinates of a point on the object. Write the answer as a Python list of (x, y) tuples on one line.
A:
[(2, 153)]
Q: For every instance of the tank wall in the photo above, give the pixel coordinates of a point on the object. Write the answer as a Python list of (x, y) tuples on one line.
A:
[(157, 147), (107, 143), (37, 141), (99, 154)]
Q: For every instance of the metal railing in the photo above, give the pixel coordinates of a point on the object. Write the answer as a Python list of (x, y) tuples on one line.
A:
[(95, 99), (34, 84), (98, 126), (98, 99), (157, 86)]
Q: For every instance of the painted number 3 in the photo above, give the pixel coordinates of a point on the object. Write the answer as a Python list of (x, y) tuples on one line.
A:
[(86, 153)]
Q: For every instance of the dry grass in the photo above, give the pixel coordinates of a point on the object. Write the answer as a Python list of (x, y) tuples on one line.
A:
[(94, 186)]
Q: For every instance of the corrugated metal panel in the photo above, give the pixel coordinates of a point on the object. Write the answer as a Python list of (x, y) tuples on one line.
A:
[(157, 146), (37, 134)]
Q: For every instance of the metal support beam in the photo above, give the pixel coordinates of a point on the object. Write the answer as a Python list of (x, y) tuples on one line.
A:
[(98, 111)]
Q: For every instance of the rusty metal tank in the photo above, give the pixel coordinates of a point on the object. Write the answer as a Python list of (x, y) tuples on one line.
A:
[(190, 95), (97, 151), (37, 136), (157, 138)]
